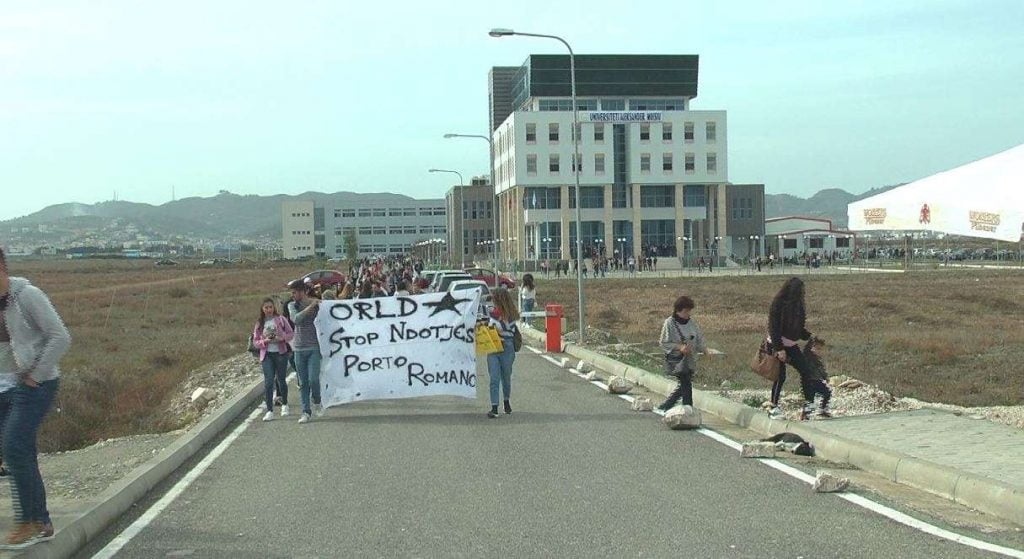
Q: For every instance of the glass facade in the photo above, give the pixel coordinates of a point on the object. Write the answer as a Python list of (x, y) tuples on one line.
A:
[(694, 196), (542, 198), (593, 196), (593, 238), (621, 195), (658, 235), (550, 239), (622, 230), (657, 196), (657, 104)]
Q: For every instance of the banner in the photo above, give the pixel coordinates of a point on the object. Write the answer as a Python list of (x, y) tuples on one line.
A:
[(398, 347)]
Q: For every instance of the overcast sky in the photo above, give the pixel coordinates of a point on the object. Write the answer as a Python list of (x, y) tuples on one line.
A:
[(265, 97)]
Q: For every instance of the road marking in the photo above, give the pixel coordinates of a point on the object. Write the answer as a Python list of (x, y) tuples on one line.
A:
[(147, 517), (863, 502), (533, 349)]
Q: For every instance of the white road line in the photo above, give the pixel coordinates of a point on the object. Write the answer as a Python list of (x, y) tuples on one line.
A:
[(147, 517), (533, 349), (863, 502)]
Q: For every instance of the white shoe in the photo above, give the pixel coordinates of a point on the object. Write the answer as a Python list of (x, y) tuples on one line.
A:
[(318, 410), (775, 413), (304, 418), (284, 410), (269, 416)]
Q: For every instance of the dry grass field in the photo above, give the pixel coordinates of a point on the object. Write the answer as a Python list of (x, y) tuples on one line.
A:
[(137, 331), (946, 336)]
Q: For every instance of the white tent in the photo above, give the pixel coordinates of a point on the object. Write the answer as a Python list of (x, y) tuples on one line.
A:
[(980, 199)]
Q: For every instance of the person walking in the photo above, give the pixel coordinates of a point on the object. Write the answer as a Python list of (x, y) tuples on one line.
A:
[(529, 293), (499, 365), (303, 310), (33, 339), (271, 336), (787, 319), (681, 340)]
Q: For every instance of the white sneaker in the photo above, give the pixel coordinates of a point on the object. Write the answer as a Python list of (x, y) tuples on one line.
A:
[(284, 410), (304, 418), (318, 410), (269, 416), (775, 413)]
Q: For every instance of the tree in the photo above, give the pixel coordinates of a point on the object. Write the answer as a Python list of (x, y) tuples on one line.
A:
[(351, 246)]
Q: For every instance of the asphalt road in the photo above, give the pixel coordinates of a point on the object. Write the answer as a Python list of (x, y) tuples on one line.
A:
[(571, 473)]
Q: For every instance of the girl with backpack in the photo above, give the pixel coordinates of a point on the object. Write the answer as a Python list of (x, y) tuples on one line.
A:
[(271, 335), (499, 365)]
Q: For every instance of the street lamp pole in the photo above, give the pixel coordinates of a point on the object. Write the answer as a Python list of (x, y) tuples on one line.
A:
[(576, 161), (494, 186), (459, 213)]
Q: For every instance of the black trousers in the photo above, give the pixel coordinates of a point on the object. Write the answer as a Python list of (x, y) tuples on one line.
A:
[(683, 390), (809, 386)]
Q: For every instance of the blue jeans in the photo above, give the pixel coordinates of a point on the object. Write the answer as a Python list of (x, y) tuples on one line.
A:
[(22, 410), (307, 365), (499, 369), (275, 369)]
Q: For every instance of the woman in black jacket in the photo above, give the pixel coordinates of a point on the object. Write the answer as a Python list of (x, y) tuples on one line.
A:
[(786, 324)]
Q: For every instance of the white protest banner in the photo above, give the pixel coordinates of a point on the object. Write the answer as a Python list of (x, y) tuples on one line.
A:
[(398, 347)]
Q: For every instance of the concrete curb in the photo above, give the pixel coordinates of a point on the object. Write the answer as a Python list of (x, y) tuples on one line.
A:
[(978, 492), (120, 497)]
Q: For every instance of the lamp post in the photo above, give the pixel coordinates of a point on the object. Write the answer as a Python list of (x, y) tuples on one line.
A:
[(459, 214), (622, 251), (782, 252), (494, 186), (576, 160)]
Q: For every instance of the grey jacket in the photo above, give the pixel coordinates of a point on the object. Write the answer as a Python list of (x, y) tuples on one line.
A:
[(673, 334), (38, 336)]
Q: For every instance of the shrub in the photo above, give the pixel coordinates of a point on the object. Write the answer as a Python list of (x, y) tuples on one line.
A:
[(178, 293)]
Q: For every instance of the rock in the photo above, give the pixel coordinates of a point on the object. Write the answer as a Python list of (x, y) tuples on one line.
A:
[(590, 376), (758, 450), (685, 417), (202, 397), (830, 483), (582, 366), (619, 385), (850, 384), (726, 385), (766, 405), (642, 404)]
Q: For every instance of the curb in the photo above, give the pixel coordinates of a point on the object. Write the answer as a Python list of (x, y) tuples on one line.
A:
[(978, 492), (123, 494)]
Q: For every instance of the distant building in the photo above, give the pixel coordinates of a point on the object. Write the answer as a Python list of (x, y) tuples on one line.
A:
[(382, 223), (653, 173), (475, 221), (796, 236)]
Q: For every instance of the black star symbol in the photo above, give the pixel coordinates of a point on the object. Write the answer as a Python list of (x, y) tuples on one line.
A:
[(447, 303)]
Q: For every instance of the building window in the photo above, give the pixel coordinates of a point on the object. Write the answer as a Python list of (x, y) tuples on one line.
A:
[(599, 163), (365, 213), (599, 132), (657, 104), (712, 163), (555, 104), (666, 162), (688, 132), (658, 235), (553, 162), (577, 131), (394, 212), (380, 212), (593, 197), (366, 230), (409, 212), (553, 132), (645, 132), (586, 104), (689, 164), (531, 133), (694, 196), (645, 163), (531, 163), (613, 104), (348, 213), (666, 131), (789, 243), (842, 242), (817, 242), (620, 196), (657, 196), (542, 198), (574, 164), (710, 134)]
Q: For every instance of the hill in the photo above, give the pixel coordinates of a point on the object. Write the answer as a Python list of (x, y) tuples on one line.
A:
[(829, 204)]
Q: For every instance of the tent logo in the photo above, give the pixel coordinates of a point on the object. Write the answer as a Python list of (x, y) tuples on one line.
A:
[(874, 216), (926, 215), (984, 221)]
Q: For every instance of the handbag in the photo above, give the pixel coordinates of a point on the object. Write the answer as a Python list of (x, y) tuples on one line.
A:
[(676, 366), (517, 339), (251, 348), (487, 340), (765, 364)]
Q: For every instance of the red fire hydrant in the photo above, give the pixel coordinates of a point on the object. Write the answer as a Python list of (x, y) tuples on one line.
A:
[(553, 325)]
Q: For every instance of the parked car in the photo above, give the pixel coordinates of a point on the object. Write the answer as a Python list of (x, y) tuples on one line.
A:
[(427, 277), (444, 280), (332, 278), (488, 276), (468, 285)]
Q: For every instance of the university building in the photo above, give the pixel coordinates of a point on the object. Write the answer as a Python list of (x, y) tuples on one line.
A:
[(472, 229), (383, 224), (654, 173)]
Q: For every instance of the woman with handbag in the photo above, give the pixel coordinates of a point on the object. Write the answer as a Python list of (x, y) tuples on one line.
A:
[(681, 340), (499, 365), (786, 324)]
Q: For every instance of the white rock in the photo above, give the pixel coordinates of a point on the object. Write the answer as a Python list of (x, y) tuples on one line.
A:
[(583, 366), (685, 417), (758, 450), (830, 483), (590, 376), (619, 385), (642, 404), (851, 384), (202, 397)]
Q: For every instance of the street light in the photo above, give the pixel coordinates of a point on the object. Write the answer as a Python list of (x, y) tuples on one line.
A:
[(622, 252), (576, 160), (494, 186), (462, 183)]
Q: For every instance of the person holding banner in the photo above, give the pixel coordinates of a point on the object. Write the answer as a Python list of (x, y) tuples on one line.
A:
[(271, 336), (499, 365), (303, 310)]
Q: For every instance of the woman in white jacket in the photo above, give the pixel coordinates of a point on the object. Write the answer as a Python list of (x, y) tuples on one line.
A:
[(34, 340)]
